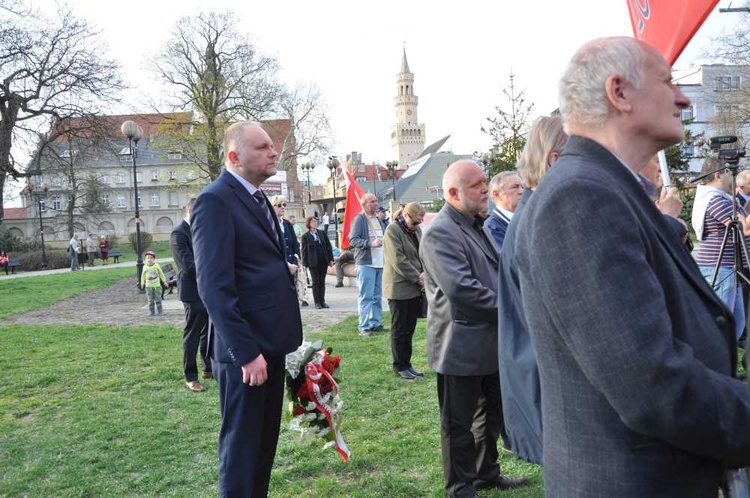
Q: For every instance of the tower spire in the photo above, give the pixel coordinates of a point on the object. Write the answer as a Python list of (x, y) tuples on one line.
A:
[(404, 63)]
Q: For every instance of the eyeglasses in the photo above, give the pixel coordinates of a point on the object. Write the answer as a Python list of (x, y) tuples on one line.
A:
[(282, 205)]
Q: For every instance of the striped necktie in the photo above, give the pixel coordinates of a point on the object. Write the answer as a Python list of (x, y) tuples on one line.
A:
[(264, 205)]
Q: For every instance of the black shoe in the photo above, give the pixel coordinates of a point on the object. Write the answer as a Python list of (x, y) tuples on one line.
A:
[(415, 373), (502, 482), (506, 447), (304, 303), (380, 328), (324, 305), (339, 285), (406, 374), (318, 306)]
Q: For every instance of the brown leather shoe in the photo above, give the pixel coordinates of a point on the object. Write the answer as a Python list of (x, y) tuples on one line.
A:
[(207, 375), (502, 482), (196, 386)]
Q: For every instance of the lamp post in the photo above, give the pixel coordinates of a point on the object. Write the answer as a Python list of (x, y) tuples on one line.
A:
[(134, 133), (307, 169), (32, 191), (333, 165), (392, 167)]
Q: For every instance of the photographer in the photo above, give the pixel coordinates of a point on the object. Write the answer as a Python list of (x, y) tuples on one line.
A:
[(712, 212)]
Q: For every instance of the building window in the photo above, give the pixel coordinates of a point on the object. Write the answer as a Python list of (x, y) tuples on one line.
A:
[(120, 201), (687, 114), (727, 83), (688, 148), (361, 179), (155, 199), (154, 175), (56, 181), (125, 156), (140, 200), (173, 174), (727, 110), (120, 177), (56, 204), (105, 199), (138, 177), (42, 205), (174, 156), (173, 198)]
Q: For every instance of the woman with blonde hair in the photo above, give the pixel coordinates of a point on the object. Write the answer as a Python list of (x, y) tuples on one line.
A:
[(519, 375), (403, 281)]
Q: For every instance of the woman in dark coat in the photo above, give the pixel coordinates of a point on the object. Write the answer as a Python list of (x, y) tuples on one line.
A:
[(317, 256)]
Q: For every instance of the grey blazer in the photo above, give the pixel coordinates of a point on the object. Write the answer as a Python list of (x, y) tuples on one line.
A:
[(636, 353), (460, 264)]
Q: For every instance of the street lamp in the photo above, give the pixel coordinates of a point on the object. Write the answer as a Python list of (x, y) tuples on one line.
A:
[(31, 190), (307, 169), (392, 167), (134, 133), (333, 165)]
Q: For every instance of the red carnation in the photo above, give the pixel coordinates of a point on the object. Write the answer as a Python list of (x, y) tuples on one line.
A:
[(298, 410)]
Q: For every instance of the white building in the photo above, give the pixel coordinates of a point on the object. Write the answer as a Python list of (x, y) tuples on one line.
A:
[(408, 134), (720, 96)]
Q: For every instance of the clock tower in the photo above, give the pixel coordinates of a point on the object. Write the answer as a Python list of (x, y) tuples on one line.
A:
[(407, 135)]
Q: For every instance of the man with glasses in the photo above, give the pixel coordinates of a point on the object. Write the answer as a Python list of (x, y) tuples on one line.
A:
[(505, 191)]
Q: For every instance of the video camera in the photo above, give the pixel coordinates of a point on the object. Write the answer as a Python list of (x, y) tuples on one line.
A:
[(730, 156)]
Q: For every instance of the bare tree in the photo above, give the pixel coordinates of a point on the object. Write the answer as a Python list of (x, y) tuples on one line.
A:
[(73, 146), (507, 128), (215, 71), (310, 130), (50, 69)]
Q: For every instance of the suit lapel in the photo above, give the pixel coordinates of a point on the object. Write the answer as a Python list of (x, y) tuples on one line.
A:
[(611, 166), (252, 205), (477, 238)]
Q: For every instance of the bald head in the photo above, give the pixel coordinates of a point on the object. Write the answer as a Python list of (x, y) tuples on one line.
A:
[(465, 187), (743, 183), (369, 204)]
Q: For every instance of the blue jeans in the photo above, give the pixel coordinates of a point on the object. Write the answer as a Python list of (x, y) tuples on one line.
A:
[(370, 296), (729, 293)]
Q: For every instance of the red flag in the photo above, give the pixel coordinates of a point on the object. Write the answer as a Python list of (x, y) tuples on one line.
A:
[(354, 195), (667, 25)]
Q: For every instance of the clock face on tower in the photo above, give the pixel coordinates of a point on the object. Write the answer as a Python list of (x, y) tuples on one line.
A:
[(408, 112)]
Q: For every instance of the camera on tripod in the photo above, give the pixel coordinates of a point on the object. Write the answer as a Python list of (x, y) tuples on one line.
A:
[(730, 156)]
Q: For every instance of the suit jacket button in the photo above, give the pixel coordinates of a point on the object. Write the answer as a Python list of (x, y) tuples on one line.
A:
[(721, 321)]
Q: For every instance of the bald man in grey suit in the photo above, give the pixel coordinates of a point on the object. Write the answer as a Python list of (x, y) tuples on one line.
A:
[(460, 265)]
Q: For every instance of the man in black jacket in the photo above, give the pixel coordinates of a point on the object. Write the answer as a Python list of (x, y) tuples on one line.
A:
[(196, 316)]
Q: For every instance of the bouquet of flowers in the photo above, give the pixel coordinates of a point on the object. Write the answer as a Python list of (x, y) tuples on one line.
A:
[(313, 391)]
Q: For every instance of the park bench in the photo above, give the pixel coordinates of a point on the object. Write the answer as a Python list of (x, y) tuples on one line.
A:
[(13, 263), (115, 254), (170, 273)]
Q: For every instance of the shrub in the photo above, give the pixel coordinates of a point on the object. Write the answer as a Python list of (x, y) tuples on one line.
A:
[(146, 239), (10, 243), (32, 261)]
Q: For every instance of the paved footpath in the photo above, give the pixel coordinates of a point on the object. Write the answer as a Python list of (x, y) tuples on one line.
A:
[(121, 304)]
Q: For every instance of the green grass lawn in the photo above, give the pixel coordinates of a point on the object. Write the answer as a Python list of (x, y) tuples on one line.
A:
[(103, 411)]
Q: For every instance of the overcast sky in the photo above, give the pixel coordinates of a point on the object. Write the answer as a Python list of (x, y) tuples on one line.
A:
[(460, 53)]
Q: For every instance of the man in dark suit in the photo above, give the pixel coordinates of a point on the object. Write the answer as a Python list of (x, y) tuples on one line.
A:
[(460, 265), (194, 336), (636, 353), (505, 192), (245, 283)]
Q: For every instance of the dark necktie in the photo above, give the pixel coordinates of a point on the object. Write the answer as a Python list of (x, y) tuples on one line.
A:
[(264, 206)]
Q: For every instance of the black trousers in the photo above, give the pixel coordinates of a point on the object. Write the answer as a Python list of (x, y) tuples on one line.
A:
[(194, 338), (250, 422), (470, 422), (318, 275), (404, 314)]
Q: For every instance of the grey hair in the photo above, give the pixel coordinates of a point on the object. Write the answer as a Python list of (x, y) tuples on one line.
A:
[(545, 136), (581, 90), (276, 199), (743, 178), (499, 180)]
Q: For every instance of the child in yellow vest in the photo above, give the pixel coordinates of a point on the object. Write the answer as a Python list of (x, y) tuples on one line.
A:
[(152, 279)]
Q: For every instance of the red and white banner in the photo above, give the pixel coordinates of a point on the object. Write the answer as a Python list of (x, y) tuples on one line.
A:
[(353, 207), (668, 25)]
